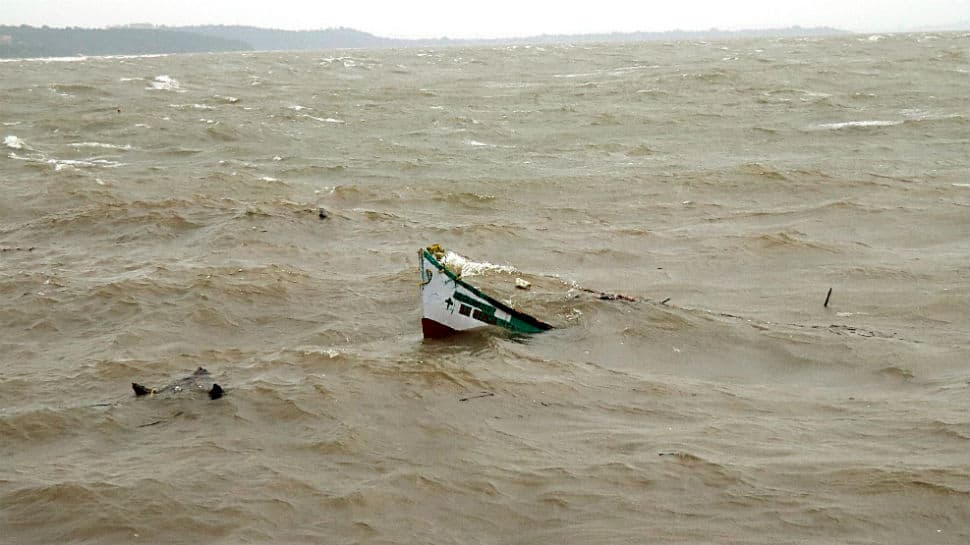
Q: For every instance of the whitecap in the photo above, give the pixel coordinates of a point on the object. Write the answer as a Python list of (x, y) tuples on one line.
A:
[(815, 94), (82, 58), (466, 267), (205, 107), (163, 83), (857, 124), (47, 59), (325, 120), (126, 147), (478, 144), (13, 142), (104, 163), (571, 76), (60, 164)]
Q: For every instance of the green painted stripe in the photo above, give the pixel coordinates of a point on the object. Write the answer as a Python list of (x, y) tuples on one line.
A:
[(474, 302)]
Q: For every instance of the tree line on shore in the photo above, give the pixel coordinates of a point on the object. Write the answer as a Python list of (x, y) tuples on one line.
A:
[(28, 42)]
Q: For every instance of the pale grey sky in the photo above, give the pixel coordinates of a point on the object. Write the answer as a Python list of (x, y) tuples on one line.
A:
[(495, 18)]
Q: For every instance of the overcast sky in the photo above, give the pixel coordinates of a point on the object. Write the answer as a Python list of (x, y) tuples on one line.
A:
[(495, 18)]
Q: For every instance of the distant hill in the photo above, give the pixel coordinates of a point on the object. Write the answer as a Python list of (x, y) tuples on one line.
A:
[(25, 41), (265, 39), (337, 38), (671, 35)]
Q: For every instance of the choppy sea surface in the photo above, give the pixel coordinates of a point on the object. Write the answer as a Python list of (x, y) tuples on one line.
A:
[(159, 214)]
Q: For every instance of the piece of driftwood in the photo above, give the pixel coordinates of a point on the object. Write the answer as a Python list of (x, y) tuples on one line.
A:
[(483, 394)]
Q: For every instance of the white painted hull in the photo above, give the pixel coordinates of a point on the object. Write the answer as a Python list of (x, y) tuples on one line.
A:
[(450, 305)]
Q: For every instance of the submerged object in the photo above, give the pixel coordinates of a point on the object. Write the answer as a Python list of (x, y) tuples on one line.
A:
[(198, 382), (451, 305)]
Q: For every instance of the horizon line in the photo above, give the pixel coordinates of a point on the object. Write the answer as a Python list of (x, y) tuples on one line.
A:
[(951, 27)]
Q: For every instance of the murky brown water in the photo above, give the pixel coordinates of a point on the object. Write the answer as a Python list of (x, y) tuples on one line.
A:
[(160, 214)]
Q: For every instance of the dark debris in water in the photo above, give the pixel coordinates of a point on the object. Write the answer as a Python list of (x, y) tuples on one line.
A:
[(483, 394), (837, 329), (611, 296), (156, 422), (851, 330), (199, 380)]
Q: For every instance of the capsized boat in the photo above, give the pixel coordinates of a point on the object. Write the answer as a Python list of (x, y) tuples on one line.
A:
[(451, 305)]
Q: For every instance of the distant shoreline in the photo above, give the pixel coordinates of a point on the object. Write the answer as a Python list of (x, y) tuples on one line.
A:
[(45, 42)]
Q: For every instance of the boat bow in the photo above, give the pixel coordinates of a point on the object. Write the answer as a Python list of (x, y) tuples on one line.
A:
[(451, 305)]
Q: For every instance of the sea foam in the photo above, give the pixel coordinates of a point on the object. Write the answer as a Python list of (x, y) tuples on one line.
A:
[(164, 83), (13, 142), (858, 124), (466, 267), (126, 147)]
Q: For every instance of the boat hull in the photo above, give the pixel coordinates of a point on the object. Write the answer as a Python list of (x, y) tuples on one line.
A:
[(450, 305)]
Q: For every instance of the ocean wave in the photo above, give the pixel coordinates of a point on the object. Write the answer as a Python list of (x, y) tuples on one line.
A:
[(952, 430), (463, 266), (478, 144), (314, 172), (34, 426), (117, 511), (896, 372), (857, 125), (79, 58), (60, 164), (125, 147), (269, 402), (872, 272), (330, 120), (14, 142), (464, 199), (203, 107), (349, 62), (813, 210), (165, 83), (762, 171), (640, 151), (877, 480), (84, 58), (222, 132), (788, 240), (214, 284), (76, 89)]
